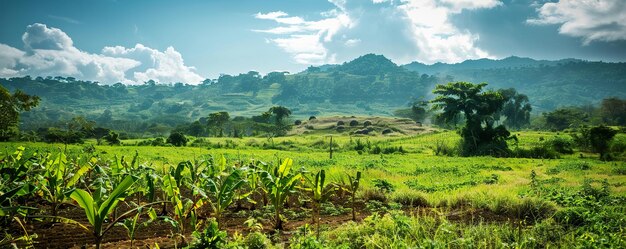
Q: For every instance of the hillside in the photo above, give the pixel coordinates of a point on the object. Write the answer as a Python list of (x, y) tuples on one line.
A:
[(549, 84), (370, 85)]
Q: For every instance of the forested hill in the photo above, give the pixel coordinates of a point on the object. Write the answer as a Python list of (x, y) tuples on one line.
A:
[(548, 84), (368, 85)]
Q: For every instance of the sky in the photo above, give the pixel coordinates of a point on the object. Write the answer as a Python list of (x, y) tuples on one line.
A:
[(168, 41)]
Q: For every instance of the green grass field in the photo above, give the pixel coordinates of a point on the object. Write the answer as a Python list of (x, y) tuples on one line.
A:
[(463, 202)]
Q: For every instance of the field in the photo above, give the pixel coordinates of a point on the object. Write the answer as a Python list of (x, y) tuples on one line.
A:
[(408, 195)]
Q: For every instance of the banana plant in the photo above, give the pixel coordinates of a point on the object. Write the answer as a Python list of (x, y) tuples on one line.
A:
[(279, 182), (351, 185), (320, 193), (224, 190), (59, 178), (183, 207), (97, 208)]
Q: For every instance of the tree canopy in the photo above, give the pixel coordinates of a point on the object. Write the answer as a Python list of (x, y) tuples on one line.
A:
[(479, 136)]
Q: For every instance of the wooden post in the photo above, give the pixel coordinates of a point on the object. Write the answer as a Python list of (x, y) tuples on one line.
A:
[(331, 147)]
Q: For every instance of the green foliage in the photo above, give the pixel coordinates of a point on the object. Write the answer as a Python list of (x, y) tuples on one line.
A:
[(600, 137), (177, 139), (563, 118), (516, 108), (97, 207), (10, 107), (480, 137), (279, 183), (211, 237)]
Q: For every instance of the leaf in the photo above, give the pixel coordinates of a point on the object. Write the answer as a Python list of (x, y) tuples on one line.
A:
[(85, 201), (285, 167), (77, 175), (117, 193)]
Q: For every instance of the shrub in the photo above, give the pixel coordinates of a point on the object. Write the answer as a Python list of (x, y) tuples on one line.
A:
[(387, 131), (383, 185), (354, 122), (312, 117), (571, 216), (257, 240), (340, 123), (540, 152), (210, 237), (411, 199), (340, 128), (298, 122), (177, 139), (374, 195), (561, 145), (367, 123)]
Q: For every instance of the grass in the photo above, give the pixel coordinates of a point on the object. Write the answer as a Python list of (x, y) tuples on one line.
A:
[(418, 169)]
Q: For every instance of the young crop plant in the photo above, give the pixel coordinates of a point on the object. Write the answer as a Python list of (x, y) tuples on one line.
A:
[(224, 190), (279, 182), (351, 185), (97, 207), (58, 180), (320, 193)]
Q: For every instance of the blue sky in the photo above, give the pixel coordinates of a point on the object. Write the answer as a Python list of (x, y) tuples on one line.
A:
[(170, 41)]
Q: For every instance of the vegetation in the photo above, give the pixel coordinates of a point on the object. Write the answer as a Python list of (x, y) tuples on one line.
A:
[(205, 174)]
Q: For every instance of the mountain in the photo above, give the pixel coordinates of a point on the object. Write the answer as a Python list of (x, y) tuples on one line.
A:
[(509, 62)]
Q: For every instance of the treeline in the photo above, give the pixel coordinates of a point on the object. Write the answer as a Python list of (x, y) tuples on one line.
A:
[(611, 111)]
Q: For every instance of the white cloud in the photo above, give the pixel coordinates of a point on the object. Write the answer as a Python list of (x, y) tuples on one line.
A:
[(435, 37), (305, 39), (51, 52), (598, 20), (422, 28)]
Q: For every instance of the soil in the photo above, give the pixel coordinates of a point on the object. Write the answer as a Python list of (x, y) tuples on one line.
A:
[(63, 235)]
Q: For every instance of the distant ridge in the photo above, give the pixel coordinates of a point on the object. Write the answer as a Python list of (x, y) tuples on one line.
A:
[(509, 62)]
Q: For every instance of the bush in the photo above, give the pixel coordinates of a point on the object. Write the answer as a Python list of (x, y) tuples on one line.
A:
[(411, 199), (374, 195), (571, 216), (367, 123), (177, 139), (340, 123), (298, 122), (312, 117), (561, 145), (210, 237), (354, 122), (257, 240), (540, 152)]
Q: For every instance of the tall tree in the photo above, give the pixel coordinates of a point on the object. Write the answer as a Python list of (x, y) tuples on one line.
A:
[(10, 107), (280, 113), (516, 108), (479, 136), (613, 111), (217, 120)]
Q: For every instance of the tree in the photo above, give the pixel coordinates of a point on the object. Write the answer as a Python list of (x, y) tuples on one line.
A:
[(280, 113), (177, 139), (113, 138), (217, 120), (600, 137), (10, 107), (565, 118), (516, 109), (479, 136), (613, 111)]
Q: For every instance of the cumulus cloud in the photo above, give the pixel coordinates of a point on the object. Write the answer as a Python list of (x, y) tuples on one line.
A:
[(598, 20), (416, 29), (51, 52), (305, 39)]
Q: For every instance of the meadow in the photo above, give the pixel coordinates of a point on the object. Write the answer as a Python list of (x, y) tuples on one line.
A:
[(408, 195)]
